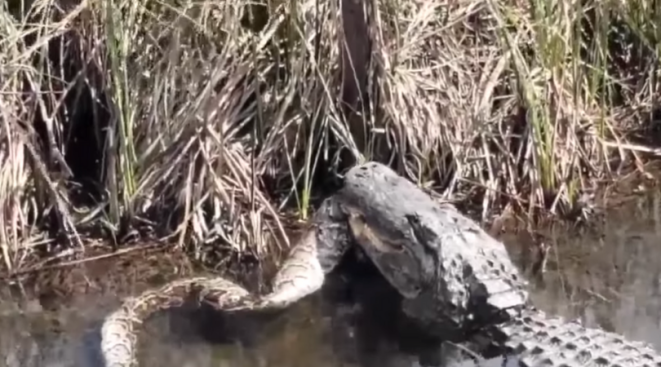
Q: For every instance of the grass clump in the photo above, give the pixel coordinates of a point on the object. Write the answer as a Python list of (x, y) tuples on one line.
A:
[(208, 121)]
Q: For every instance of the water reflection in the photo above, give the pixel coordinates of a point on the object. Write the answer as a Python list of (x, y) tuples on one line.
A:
[(609, 276)]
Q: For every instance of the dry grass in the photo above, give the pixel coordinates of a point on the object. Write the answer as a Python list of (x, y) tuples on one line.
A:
[(176, 116)]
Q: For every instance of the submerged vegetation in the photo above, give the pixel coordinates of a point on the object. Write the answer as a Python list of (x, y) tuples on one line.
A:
[(208, 121)]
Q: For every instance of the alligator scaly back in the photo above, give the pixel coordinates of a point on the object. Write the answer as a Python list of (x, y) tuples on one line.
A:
[(541, 340), (301, 274)]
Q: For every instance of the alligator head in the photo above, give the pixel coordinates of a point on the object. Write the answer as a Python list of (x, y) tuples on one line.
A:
[(412, 269), (452, 275)]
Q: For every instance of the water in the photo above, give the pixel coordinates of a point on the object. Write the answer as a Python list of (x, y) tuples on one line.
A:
[(333, 328), (608, 275)]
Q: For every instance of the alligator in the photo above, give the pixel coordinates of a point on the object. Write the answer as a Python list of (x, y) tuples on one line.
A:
[(460, 284), (456, 281)]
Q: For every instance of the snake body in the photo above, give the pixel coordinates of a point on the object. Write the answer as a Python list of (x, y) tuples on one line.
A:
[(303, 272)]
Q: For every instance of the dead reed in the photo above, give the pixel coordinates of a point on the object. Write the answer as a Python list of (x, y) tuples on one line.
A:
[(203, 120)]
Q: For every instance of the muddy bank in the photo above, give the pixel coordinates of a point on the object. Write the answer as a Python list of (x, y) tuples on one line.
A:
[(606, 273)]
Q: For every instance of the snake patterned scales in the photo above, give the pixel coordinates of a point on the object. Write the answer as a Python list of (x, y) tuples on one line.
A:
[(302, 273)]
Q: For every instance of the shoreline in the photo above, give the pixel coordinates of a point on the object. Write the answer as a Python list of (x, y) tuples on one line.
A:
[(164, 261)]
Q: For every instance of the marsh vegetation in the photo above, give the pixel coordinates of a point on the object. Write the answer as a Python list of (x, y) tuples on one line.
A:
[(215, 125)]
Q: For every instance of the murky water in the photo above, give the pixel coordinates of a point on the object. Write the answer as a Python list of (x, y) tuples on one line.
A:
[(608, 275), (337, 327)]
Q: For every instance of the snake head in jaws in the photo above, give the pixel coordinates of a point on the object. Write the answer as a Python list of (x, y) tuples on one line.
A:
[(389, 255)]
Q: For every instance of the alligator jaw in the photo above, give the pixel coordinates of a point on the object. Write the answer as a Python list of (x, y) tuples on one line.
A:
[(366, 235)]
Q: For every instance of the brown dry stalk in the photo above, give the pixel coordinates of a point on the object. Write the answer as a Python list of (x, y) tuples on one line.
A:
[(183, 117)]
